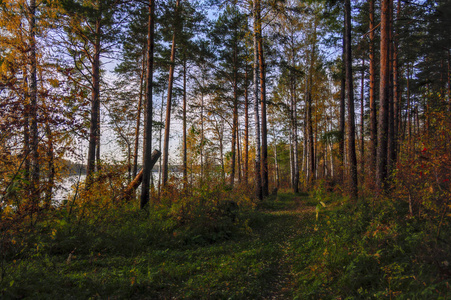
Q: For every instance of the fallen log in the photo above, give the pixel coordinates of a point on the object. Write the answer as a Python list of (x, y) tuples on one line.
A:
[(132, 186)]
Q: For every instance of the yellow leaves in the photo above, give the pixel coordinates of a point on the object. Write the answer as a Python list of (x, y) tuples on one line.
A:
[(54, 82), (54, 233)]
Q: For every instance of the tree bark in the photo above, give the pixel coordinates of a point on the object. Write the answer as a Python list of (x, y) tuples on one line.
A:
[(95, 105), (148, 121), (294, 127), (341, 146), (350, 104), (381, 173), (409, 109), (50, 165), (391, 109), (235, 113), (238, 151), (246, 128), (138, 118), (264, 129), (35, 168), (362, 123), (311, 140), (396, 89), (169, 105), (373, 114), (185, 156), (26, 128), (257, 177), (449, 79)]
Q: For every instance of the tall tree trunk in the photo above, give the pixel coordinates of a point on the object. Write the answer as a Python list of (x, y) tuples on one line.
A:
[(264, 129), (221, 150), (311, 144), (381, 173), (185, 156), (391, 110), (202, 138), (238, 151), (35, 170), (160, 140), (235, 113), (169, 105), (148, 121), (409, 109), (98, 164), (373, 114), (362, 113), (350, 101), (50, 165), (95, 105), (276, 163), (449, 79), (311, 140), (396, 88), (305, 167), (26, 127), (246, 128), (291, 153), (258, 178), (138, 117), (294, 127), (341, 146)]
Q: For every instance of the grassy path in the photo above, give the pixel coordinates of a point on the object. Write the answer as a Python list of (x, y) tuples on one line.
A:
[(292, 215)]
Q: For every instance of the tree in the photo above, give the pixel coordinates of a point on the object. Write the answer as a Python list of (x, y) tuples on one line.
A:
[(373, 114), (228, 35), (257, 167), (169, 99), (381, 171), (350, 103), (264, 129), (147, 150), (90, 26)]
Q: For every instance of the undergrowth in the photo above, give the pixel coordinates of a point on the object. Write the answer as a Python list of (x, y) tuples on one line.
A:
[(372, 250), (212, 243)]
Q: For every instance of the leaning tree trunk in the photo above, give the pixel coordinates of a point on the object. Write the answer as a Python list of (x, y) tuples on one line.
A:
[(134, 184)]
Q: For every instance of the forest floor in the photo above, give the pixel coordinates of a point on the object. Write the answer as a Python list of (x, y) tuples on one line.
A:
[(290, 247), (255, 263)]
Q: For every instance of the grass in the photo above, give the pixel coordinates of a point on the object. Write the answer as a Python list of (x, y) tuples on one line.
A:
[(124, 262), (290, 247)]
